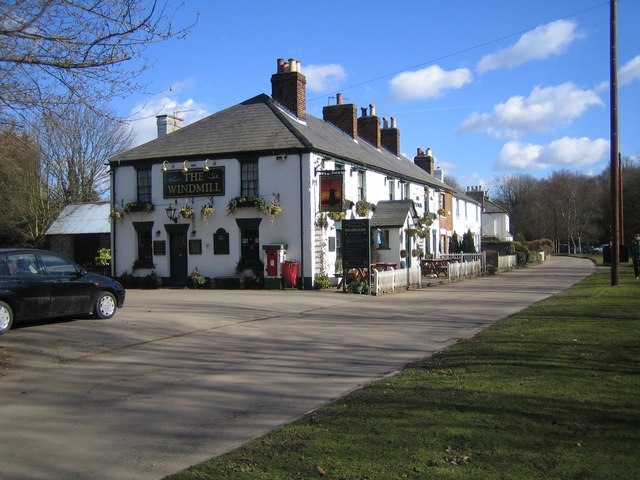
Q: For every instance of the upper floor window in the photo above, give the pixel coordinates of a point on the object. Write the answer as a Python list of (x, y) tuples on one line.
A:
[(144, 184), (392, 190), (362, 187), (249, 179), (441, 201), (457, 207), (406, 188)]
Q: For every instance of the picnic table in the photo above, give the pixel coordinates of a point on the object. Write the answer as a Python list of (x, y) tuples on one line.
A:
[(436, 266)]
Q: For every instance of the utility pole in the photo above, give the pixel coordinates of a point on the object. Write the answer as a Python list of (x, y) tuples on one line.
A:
[(615, 165)]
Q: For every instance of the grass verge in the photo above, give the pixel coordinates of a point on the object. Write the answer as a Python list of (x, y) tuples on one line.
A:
[(549, 393)]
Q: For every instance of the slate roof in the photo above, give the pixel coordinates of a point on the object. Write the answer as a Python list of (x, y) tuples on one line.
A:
[(491, 207), (392, 213), (82, 218), (260, 126)]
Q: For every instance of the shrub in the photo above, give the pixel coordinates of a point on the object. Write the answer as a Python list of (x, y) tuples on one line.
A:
[(321, 280)]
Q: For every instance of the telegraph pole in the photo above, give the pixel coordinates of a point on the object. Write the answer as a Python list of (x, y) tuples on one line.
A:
[(615, 165)]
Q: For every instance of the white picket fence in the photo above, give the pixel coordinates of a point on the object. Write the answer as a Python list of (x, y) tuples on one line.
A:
[(393, 279), (507, 262), (464, 270), (468, 257)]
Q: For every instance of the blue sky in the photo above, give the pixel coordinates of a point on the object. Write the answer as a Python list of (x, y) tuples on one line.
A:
[(493, 87)]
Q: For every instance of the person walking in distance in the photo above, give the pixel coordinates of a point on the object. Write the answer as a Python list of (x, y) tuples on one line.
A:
[(634, 249)]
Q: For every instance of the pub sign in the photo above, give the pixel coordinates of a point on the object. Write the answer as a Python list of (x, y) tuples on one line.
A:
[(331, 192), (194, 183)]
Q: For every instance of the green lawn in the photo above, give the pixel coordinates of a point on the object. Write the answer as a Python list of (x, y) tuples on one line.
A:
[(550, 393)]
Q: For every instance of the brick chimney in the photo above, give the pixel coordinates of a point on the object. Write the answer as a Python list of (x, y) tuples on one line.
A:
[(342, 115), (288, 87), (390, 136), (477, 193), (425, 160), (167, 124), (369, 126)]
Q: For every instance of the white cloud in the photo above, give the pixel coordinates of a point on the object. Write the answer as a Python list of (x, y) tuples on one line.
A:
[(143, 115), (539, 43), (322, 78), (544, 109), (429, 82), (629, 72), (563, 153)]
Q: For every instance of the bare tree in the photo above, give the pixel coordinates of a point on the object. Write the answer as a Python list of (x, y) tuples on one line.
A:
[(76, 146), (26, 205), (57, 52)]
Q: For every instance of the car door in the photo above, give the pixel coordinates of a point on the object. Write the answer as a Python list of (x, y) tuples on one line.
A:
[(70, 291), (26, 285)]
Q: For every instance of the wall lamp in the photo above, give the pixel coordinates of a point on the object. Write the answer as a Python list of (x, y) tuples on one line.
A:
[(171, 212), (185, 169), (205, 168), (164, 165)]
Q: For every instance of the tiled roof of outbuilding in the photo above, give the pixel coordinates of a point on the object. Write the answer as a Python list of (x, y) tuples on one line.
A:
[(259, 125), (392, 213)]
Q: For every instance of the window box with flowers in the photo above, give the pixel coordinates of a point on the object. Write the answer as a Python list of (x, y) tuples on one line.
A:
[(144, 207), (246, 202)]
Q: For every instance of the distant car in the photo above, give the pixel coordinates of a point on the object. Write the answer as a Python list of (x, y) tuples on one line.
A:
[(600, 248), (38, 284)]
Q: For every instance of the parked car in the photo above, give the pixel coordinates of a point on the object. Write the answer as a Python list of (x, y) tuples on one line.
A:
[(38, 284)]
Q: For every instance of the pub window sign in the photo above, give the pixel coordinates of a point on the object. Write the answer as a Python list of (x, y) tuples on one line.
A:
[(194, 183), (331, 188)]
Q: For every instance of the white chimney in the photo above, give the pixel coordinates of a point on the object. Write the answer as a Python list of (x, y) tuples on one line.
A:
[(439, 173), (167, 124)]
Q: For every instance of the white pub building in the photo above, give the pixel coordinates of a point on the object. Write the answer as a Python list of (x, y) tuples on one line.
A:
[(263, 183)]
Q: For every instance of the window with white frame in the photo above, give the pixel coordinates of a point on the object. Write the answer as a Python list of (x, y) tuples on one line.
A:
[(144, 184), (362, 186), (249, 179), (392, 189), (406, 188)]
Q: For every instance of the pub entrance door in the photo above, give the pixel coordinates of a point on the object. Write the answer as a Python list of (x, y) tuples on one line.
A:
[(250, 243), (178, 258)]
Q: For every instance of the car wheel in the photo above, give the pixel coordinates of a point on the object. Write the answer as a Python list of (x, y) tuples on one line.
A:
[(6, 317), (105, 305)]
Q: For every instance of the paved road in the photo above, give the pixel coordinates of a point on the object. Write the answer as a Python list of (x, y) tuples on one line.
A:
[(180, 376)]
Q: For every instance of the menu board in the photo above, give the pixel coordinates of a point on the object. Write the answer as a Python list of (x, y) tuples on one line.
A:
[(356, 249)]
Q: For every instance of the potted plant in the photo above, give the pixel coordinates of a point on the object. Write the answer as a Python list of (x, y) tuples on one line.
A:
[(195, 280), (186, 212)]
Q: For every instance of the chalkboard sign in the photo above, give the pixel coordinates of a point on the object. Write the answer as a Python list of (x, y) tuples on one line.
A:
[(159, 247), (356, 250), (195, 247), (221, 242)]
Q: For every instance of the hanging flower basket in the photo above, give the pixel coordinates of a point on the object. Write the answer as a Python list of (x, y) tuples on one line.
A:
[(337, 216), (442, 212), (363, 208), (412, 232), (186, 212), (115, 215), (207, 211)]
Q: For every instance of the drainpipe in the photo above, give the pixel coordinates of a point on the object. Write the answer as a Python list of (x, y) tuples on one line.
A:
[(301, 287), (113, 223)]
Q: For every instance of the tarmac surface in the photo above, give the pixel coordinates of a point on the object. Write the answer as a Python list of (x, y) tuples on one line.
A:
[(180, 376)]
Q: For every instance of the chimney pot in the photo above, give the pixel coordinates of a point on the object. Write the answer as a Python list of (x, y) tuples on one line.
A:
[(420, 151), (385, 122), (339, 99), (429, 152), (372, 109), (393, 122)]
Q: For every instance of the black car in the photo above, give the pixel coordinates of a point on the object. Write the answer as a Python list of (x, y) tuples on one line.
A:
[(37, 284)]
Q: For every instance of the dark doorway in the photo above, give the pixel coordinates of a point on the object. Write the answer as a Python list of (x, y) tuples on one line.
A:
[(178, 258), (250, 243)]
